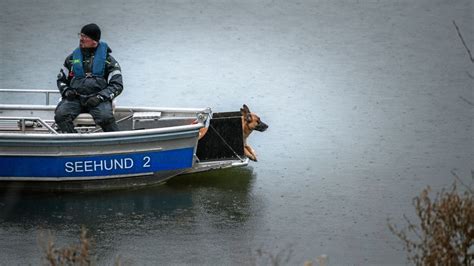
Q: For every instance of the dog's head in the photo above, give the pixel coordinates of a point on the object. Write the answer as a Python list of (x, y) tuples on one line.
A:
[(251, 121)]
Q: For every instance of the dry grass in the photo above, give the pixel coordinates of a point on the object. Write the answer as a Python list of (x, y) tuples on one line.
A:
[(445, 232), (69, 255), (282, 257)]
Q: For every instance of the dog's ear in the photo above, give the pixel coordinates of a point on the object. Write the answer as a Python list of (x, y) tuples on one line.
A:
[(245, 107), (244, 110)]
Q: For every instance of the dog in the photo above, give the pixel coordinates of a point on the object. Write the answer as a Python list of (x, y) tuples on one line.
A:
[(250, 122)]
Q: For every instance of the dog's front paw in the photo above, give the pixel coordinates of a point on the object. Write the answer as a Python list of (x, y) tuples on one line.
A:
[(249, 152), (253, 158)]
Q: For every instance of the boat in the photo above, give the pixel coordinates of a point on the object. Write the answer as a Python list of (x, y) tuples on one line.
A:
[(153, 145)]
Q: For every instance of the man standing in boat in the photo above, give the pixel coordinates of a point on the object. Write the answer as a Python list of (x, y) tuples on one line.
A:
[(88, 81)]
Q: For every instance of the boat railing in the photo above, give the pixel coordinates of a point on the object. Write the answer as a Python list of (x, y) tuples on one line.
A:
[(24, 123), (47, 93), (85, 121)]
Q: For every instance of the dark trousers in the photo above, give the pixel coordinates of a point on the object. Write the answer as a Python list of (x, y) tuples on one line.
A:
[(67, 111)]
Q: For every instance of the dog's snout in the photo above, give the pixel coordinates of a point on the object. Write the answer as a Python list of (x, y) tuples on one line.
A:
[(261, 127)]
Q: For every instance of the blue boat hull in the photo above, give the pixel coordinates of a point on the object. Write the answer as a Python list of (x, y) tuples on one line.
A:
[(63, 168), (96, 161)]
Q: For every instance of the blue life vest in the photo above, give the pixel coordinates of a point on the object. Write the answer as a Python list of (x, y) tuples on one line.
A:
[(98, 66)]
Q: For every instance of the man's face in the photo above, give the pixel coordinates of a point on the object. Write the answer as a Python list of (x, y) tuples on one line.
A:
[(86, 42)]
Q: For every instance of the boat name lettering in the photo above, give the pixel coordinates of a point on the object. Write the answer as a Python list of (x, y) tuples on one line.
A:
[(100, 165), (146, 161), (95, 166)]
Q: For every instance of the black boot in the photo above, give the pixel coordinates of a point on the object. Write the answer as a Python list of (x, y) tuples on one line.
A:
[(66, 127), (110, 127)]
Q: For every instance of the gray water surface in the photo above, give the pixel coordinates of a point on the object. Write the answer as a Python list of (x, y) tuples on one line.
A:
[(368, 103)]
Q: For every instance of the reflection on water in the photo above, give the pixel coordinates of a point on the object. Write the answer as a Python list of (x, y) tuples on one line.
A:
[(211, 190), (211, 199)]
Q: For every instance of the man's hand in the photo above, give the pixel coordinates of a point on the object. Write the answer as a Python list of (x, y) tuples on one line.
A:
[(94, 101), (70, 94)]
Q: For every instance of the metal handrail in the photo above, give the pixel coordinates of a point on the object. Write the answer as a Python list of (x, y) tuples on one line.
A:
[(34, 119), (46, 92)]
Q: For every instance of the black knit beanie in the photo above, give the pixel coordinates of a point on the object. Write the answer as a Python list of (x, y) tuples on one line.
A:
[(92, 31)]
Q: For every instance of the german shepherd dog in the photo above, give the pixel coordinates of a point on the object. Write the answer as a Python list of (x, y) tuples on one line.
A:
[(250, 122)]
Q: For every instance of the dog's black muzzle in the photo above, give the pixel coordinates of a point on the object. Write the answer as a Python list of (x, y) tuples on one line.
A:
[(261, 127)]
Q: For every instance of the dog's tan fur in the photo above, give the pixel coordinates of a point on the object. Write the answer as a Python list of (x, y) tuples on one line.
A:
[(250, 122)]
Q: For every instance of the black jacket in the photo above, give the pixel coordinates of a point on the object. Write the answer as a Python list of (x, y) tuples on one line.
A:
[(109, 86)]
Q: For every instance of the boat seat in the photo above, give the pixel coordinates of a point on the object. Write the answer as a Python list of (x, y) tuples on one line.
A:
[(84, 123), (86, 119)]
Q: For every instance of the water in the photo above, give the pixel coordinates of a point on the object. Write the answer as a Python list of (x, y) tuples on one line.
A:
[(368, 102)]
